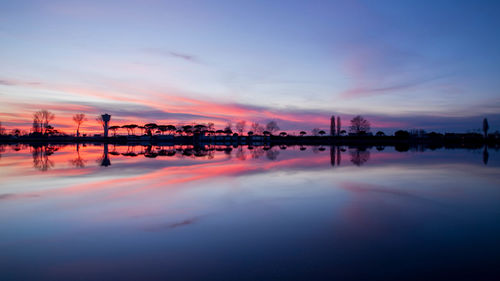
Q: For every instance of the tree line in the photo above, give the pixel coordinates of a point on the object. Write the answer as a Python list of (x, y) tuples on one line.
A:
[(359, 125)]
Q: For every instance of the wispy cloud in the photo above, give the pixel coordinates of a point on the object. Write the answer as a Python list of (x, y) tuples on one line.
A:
[(172, 54), (169, 226), (360, 92), (13, 82)]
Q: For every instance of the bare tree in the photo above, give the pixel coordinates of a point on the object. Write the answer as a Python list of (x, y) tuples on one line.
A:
[(257, 128), (42, 118), (210, 126), (2, 129), (100, 121), (240, 126), (79, 119), (359, 125), (272, 127)]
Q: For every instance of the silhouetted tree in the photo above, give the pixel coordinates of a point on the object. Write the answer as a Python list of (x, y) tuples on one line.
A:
[(79, 119), (163, 128), (359, 125), (16, 132), (402, 134), (283, 134), (130, 128), (321, 133), (114, 129), (127, 127), (250, 133), (187, 128), (380, 134), (150, 127), (100, 121), (42, 118), (229, 126), (240, 126), (338, 125), (200, 127), (332, 126), (257, 128), (272, 127), (133, 127), (266, 133), (2, 129), (486, 127), (302, 133), (171, 128), (228, 131), (210, 126)]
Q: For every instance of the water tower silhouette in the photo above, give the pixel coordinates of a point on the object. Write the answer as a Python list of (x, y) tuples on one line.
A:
[(105, 118)]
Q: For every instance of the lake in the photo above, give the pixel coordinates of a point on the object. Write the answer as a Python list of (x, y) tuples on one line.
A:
[(105, 212)]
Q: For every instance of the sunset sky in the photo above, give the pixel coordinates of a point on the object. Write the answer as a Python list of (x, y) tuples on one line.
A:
[(401, 64)]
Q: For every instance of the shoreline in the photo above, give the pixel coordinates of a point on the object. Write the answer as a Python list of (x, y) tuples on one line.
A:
[(449, 140)]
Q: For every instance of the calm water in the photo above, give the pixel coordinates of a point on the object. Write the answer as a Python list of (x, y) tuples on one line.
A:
[(300, 213)]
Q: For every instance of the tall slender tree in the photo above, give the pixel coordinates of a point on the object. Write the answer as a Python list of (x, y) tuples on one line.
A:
[(338, 126), (332, 126), (486, 127)]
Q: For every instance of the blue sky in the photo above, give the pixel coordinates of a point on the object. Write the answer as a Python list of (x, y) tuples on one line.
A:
[(411, 64)]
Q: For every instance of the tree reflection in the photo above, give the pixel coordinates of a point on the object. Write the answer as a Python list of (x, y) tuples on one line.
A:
[(486, 155), (241, 154), (41, 155), (333, 155), (359, 156), (2, 150), (257, 152), (78, 162), (272, 154)]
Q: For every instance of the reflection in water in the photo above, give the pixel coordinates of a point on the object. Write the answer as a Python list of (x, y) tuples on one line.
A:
[(486, 155), (41, 155), (78, 162), (359, 155), (173, 208), (105, 162)]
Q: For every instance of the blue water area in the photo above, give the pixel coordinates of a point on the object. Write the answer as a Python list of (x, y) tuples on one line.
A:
[(96, 212)]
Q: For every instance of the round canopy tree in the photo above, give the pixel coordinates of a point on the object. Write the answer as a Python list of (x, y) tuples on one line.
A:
[(359, 125)]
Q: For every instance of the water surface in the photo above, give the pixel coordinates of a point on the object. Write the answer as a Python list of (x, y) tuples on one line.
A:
[(239, 213)]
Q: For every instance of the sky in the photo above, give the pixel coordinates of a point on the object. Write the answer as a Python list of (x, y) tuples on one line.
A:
[(432, 65)]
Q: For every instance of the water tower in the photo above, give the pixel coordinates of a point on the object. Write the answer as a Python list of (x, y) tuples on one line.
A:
[(105, 118)]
